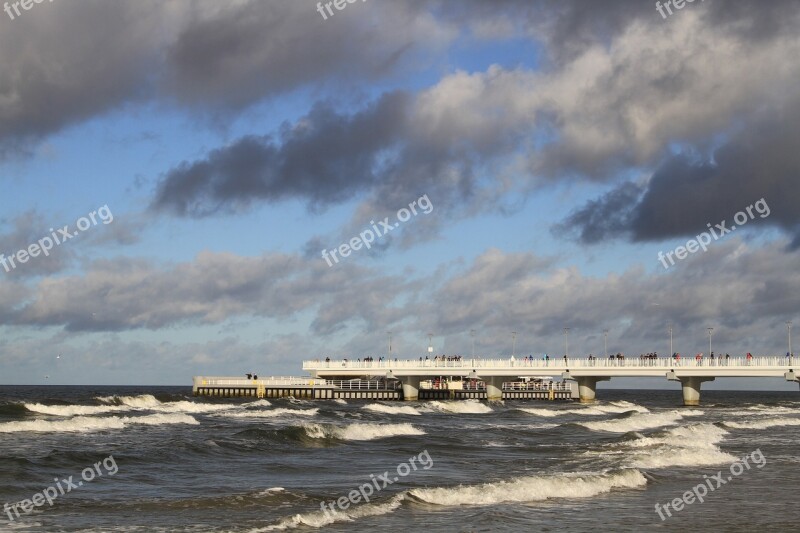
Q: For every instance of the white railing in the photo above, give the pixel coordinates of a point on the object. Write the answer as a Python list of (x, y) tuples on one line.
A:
[(362, 384), (558, 386), (271, 381), (555, 363)]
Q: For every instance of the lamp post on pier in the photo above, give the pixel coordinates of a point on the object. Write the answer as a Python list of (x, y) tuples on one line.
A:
[(671, 351), (513, 343), (472, 334), (710, 331)]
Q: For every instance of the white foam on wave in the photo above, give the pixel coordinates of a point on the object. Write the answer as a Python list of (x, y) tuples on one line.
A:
[(764, 424), (193, 407), (321, 519), (340, 401), (635, 422), (73, 410), (763, 411), (692, 445), (141, 401), (593, 410), (271, 413), (258, 403), (131, 403), (161, 419), (392, 409), (527, 489), (85, 423), (360, 431), (461, 407), (532, 488)]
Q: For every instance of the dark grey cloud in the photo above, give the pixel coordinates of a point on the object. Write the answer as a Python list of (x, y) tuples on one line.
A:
[(325, 157), (70, 61), (687, 193), (65, 62)]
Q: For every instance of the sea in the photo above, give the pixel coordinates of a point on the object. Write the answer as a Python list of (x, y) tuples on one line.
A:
[(156, 459)]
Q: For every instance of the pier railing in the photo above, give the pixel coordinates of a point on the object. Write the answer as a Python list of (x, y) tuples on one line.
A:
[(556, 362), (266, 382), (362, 384)]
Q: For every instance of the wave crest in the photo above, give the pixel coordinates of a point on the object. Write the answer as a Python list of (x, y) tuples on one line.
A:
[(532, 489)]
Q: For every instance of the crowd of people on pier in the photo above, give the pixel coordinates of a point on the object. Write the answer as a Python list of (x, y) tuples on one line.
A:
[(645, 359)]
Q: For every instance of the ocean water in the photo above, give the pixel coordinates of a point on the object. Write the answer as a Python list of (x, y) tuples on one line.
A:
[(194, 465)]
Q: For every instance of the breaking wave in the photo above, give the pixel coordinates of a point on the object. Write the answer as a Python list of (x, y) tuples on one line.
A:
[(320, 519), (593, 410), (637, 422), (532, 489), (84, 424), (392, 409), (692, 445), (461, 407), (763, 424), (360, 431), (271, 413)]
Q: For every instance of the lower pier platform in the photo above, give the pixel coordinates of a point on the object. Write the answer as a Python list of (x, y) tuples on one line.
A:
[(363, 389)]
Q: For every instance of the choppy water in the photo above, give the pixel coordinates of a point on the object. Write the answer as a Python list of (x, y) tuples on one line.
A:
[(249, 466)]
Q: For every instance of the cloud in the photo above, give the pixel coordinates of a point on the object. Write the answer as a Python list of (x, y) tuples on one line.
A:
[(745, 292), (473, 139), (123, 294), (325, 157), (26, 229), (65, 63), (686, 193)]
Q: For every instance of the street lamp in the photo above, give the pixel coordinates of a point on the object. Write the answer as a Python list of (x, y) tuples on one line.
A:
[(472, 334), (789, 329), (605, 341), (390, 343), (710, 331), (566, 342), (671, 351), (430, 342), (513, 343)]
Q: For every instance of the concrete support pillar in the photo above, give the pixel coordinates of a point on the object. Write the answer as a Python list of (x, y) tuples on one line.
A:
[(494, 388), (410, 387), (587, 388), (691, 388)]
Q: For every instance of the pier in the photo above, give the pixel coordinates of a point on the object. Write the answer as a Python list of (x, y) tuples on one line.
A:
[(370, 389), (586, 373)]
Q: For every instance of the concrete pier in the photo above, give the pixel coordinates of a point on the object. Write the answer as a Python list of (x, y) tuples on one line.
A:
[(691, 372), (410, 387), (587, 388), (690, 386), (494, 388)]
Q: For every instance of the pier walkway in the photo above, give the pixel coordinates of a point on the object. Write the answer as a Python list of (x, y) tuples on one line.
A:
[(691, 373)]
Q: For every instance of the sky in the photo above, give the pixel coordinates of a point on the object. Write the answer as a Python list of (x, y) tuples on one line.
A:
[(514, 166)]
